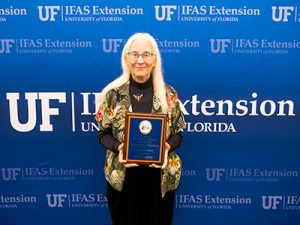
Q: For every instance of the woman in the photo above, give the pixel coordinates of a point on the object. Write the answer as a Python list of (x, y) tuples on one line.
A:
[(140, 195)]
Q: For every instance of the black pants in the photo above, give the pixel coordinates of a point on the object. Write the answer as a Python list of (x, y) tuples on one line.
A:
[(140, 201)]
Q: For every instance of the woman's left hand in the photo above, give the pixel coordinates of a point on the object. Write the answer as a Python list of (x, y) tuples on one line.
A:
[(121, 160), (167, 148)]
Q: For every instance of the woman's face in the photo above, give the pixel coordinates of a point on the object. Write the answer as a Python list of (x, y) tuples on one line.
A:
[(140, 66)]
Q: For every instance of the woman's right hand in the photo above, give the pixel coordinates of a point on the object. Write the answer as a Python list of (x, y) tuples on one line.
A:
[(121, 160)]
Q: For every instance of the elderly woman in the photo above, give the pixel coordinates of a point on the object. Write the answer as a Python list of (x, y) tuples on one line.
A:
[(139, 194)]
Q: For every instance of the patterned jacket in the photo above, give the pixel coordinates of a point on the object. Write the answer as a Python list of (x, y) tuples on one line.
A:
[(111, 114)]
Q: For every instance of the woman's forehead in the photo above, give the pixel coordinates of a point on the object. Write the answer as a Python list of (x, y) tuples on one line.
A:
[(140, 45)]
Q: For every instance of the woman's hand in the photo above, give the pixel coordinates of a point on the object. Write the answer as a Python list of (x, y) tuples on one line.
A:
[(167, 148), (121, 160)]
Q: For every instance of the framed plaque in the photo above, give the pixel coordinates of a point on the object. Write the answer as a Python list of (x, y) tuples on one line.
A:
[(145, 136)]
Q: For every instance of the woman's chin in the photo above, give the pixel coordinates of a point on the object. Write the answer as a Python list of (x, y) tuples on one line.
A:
[(140, 79)]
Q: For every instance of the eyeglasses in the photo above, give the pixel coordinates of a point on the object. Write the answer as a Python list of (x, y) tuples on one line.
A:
[(146, 56)]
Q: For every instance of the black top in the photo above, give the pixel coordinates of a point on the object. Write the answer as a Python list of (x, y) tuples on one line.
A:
[(141, 95)]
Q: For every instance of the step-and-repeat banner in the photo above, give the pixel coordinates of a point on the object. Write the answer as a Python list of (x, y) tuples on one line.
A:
[(235, 65)]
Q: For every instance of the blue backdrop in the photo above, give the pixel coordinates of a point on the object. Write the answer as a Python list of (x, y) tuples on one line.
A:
[(235, 65)]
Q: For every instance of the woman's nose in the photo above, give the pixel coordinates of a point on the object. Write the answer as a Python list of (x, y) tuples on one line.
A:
[(140, 59)]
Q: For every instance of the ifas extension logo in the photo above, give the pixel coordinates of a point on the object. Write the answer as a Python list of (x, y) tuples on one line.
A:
[(76, 200), (244, 46), (48, 111), (42, 46), (203, 13), (87, 13), (43, 174), (249, 175)]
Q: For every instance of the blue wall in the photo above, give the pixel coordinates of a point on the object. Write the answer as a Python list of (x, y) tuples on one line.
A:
[(235, 65)]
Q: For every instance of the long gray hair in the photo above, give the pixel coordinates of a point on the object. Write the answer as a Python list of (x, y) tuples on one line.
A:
[(157, 74)]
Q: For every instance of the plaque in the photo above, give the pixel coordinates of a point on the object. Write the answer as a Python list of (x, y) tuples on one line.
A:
[(145, 136)]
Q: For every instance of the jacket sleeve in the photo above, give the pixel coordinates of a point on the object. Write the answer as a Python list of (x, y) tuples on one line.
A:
[(175, 119), (107, 140), (103, 117), (175, 141), (175, 114)]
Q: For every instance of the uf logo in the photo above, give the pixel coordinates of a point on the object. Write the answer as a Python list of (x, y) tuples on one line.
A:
[(111, 45), (10, 173), (270, 202), (31, 98), (220, 46), (50, 12), (6, 45), (214, 174), (283, 13), (166, 12), (58, 199)]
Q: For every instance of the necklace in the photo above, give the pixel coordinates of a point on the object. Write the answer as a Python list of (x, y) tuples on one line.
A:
[(138, 97)]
